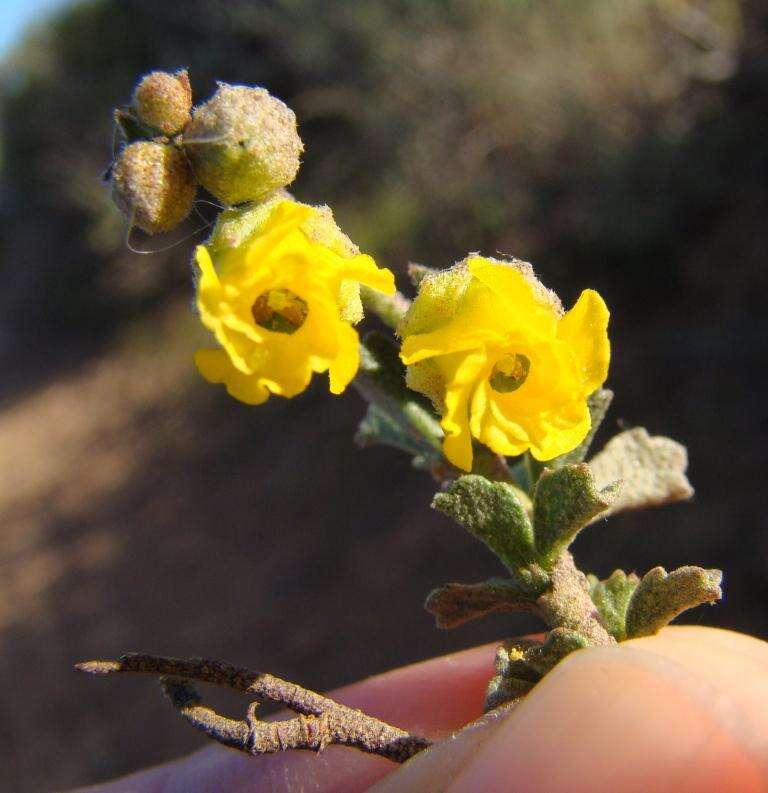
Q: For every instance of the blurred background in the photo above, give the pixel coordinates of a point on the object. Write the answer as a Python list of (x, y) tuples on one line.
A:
[(617, 144)]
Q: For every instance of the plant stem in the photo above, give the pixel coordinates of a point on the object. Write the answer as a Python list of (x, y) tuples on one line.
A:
[(567, 604), (389, 308)]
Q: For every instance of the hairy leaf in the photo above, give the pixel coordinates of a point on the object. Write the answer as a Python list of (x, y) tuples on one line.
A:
[(521, 663), (651, 470), (494, 514), (455, 604), (611, 597), (661, 596), (502, 689), (563, 503), (559, 643), (514, 678)]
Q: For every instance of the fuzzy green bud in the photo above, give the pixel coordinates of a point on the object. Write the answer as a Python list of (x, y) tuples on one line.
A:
[(243, 144), (153, 185), (163, 101)]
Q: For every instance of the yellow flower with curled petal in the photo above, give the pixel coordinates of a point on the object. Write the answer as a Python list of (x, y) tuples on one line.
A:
[(279, 288), (502, 362)]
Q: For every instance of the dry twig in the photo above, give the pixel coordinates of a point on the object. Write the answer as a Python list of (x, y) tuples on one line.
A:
[(319, 722)]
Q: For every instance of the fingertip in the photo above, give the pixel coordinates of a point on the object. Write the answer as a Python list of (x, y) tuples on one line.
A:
[(431, 698), (657, 714), (625, 719), (701, 641), (433, 770)]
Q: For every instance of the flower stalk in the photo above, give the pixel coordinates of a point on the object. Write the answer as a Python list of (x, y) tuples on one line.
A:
[(390, 309)]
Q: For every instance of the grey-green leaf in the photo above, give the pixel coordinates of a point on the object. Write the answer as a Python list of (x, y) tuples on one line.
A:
[(651, 470), (494, 514), (661, 596), (611, 597), (378, 427), (563, 503), (559, 643), (502, 689), (510, 658), (455, 604), (514, 678)]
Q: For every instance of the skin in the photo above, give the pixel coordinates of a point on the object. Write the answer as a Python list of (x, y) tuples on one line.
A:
[(686, 710)]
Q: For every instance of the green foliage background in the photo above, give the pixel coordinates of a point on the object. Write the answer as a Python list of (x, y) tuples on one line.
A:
[(618, 144)]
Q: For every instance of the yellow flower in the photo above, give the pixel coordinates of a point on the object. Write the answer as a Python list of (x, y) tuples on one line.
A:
[(279, 288), (501, 361)]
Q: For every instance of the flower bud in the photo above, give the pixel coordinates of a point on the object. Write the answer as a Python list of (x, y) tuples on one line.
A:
[(243, 144), (153, 185), (163, 101)]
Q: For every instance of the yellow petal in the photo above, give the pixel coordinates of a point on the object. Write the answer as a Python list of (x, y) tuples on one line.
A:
[(344, 366), (288, 369), (215, 367), (322, 328), (560, 432), (239, 347), (468, 319), (456, 337), (208, 277), (291, 247), (285, 216), (363, 268), (523, 301), (490, 426), (462, 375), (585, 329), (497, 441), (282, 250)]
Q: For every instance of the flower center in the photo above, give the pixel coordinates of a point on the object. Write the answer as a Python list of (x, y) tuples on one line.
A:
[(509, 373), (280, 311)]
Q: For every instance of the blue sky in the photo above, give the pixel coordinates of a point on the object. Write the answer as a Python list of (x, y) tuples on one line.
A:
[(16, 15)]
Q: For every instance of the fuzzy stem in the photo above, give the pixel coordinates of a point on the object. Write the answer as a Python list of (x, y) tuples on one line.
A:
[(320, 722), (389, 308), (424, 423), (567, 604)]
